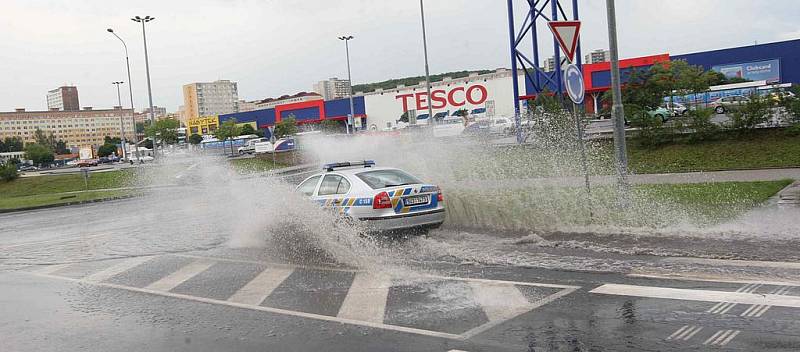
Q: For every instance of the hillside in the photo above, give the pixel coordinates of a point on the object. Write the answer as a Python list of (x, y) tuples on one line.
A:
[(410, 81)]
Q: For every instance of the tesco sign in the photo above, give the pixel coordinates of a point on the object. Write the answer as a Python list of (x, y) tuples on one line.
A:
[(440, 98)]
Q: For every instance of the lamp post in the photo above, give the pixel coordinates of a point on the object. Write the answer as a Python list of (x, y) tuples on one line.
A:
[(427, 71), (144, 20), (121, 124), (349, 80), (130, 90), (617, 108)]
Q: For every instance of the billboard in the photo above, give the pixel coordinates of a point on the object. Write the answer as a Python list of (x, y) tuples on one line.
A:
[(767, 70)]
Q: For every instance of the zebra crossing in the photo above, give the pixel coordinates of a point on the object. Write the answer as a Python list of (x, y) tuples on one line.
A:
[(449, 307)]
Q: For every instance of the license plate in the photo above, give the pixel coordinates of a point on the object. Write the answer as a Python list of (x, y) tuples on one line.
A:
[(417, 200)]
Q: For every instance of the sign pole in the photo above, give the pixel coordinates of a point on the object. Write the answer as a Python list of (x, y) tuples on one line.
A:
[(584, 162)]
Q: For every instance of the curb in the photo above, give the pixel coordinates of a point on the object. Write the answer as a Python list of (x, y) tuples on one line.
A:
[(48, 206)]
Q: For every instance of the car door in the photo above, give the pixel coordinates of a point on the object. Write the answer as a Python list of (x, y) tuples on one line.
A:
[(332, 190)]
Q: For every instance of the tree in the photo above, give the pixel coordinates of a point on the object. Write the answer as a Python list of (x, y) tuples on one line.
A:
[(461, 113), (286, 127), (246, 129), (61, 147), (3, 147), (8, 172), (331, 126), (148, 143), (110, 140), (13, 144), (227, 130), (106, 149), (195, 139), (39, 154), (139, 127), (756, 111), (164, 130)]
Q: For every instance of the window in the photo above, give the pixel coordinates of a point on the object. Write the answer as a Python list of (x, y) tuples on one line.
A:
[(387, 178), (333, 184), (307, 188)]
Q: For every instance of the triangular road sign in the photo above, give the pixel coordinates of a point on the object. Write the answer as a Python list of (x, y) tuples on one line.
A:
[(567, 33)]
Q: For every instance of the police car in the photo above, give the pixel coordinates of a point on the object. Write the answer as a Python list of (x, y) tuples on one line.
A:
[(384, 198)]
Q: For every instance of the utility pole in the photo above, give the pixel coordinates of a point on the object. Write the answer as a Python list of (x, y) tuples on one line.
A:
[(130, 90), (427, 71), (121, 124), (144, 20), (617, 110), (350, 82)]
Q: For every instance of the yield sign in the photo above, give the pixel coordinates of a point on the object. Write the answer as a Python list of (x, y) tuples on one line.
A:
[(566, 32)]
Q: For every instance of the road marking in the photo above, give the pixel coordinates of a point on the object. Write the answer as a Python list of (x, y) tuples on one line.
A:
[(754, 311), (722, 337), (115, 269), (185, 273), (257, 290), (366, 298), (49, 269), (696, 330), (710, 278), (697, 295), (721, 308), (730, 262), (501, 301), (677, 332)]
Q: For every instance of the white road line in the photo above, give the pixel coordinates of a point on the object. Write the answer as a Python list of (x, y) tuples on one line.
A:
[(729, 262), (115, 269), (697, 295), (366, 298), (744, 287), (722, 337), (713, 337), (49, 269), (711, 278), (677, 332), (500, 302), (724, 311), (685, 333), (753, 288), (714, 308), (763, 310), (752, 309), (696, 330), (730, 337), (185, 273), (57, 240), (255, 291)]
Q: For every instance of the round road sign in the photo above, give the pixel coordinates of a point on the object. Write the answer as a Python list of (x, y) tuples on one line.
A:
[(573, 81)]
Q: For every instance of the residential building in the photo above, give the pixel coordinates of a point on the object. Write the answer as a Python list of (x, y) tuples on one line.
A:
[(158, 111), (599, 55), (245, 105), (76, 128), (550, 64), (333, 88), (210, 98), (287, 99), (63, 98)]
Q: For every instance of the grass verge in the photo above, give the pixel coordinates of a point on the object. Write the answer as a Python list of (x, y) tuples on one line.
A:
[(52, 184), (23, 202)]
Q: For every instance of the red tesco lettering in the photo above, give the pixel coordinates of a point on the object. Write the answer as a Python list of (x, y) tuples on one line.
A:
[(456, 97)]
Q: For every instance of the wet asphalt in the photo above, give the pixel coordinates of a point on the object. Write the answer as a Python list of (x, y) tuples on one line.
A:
[(117, 283)]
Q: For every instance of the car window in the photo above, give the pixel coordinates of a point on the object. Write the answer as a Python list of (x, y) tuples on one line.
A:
[(333, 184), (386, 178), (307, 188)]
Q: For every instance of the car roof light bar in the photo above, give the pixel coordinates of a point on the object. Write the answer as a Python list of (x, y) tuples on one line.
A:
[(332, 166)]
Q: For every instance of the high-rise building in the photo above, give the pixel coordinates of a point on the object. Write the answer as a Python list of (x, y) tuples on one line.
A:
[(333, 88), (599, 55), (550, 64), (210, 98), (245, 105), (158, 112), (63, 98), (77, 128)]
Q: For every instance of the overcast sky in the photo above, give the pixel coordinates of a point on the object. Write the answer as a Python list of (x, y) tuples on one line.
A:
[(275, 47)]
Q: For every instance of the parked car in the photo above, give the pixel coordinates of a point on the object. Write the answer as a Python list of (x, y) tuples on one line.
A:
[(250, 146), (383, 198), (87, 163), (724, 104), (28, 168), (661, 113), (675, 109), (104, 160)]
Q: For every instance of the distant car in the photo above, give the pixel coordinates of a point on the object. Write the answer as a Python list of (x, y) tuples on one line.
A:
[(383, 198), (661, 113), (724, 104), (250, 146), (501, 125), (675, 109), (105, 160), (28, 168), (87, 163)]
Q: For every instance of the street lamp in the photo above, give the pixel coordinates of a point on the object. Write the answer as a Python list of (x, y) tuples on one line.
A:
[(144, 20), (121, 125), (130, 90), (617, 109), (427, 71), (349, 80)]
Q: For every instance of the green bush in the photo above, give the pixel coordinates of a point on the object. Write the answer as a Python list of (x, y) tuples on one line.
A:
[(39, 154), (704, 129), (8, 172), (652, 131), (756, 111)]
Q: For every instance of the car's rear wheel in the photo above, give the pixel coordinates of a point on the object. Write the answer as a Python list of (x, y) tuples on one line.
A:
[(719, 110)]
